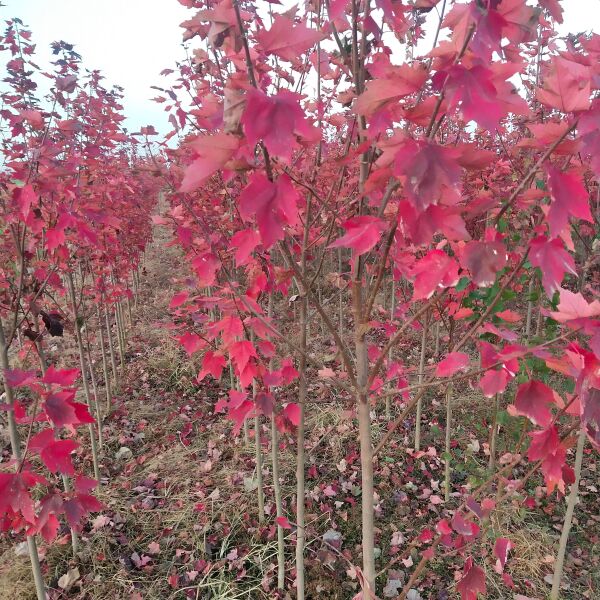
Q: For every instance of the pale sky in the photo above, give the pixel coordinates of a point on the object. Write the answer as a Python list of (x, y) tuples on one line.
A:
[(131, 41)]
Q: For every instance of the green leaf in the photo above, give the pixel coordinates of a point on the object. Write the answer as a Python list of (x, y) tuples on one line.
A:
[(462, 284)]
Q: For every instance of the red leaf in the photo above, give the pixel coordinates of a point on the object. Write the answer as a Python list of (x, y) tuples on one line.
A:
[(276, 120), (493, 382), (543, 443), (212, 364), (455, 361), (292, 413), (283, 522), (79, 507), (501, 549), (241, 352), (206, 266), (244, 242), (16, 377), (509, 316), (63, 377), (553, 261), (443, 527), (464, 527), (191, 342), (265, 403), (532, 401), (286, 40), (554, 8), (26, 198), (569, 198), (54, 238), (56, 454), (574, 306), (553, 469), (474, 91), (362, 234), (435, 270), (431, 171), (61, 409), (178, 299), (214, 151), (566, 86), (239, 414), (472, 582), (484, 260), (14, 493), (272, 204), (399, 82)]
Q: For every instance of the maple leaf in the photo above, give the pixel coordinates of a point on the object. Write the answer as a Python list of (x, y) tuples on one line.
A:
[(56, 454), (472, 582), (288, 372), (286, 40), (264, 402), (554, 8), (292, 413), (569, 198), (241, 352), (274, 205), (79, 507), (473, 91), (484, 260), (212, 364), (206, 266), (553, 260), (244, 242), (276, 120), (362, 234), (178, 299), (14, 495), (399, 82), (566, 86), (63, 377), (509, 316), (61, 409), (543, 443), (25, 198), (493, 382), (283, 522), (435, 270), (17, 378), (501, 548), (239, 414), (455, 361), (520, 20), (191, 342), (464, 527), (47, 524), (572, 306), (431, 171), (213, 152), (236, 398), (532, 401), (553, 469)]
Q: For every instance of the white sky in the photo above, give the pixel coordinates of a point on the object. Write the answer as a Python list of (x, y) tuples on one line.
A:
[(131, 41)]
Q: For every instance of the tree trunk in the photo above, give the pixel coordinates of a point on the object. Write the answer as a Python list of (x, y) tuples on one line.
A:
[(564, 536), (84, 380), (420, 381), (15, 444)]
